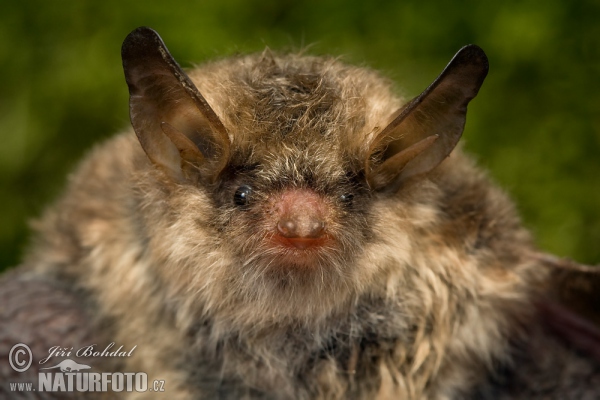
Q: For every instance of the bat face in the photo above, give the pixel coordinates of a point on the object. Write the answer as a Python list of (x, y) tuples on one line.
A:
[(293, 196)]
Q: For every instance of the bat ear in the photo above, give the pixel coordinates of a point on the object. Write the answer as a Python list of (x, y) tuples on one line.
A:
[(176, 127), (427, 129)]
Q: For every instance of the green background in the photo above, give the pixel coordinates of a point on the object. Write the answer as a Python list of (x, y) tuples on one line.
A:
[(535, 124)]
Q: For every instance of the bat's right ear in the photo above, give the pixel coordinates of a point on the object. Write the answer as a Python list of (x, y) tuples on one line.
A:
[(425, 131), (176, 127)]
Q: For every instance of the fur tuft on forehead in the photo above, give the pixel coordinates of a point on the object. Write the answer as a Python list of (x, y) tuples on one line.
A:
[(296, 99)]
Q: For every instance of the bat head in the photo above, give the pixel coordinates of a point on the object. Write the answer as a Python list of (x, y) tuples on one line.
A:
[(288, 156)]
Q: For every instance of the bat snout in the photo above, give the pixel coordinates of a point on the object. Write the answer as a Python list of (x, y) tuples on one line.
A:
[(301, 219)]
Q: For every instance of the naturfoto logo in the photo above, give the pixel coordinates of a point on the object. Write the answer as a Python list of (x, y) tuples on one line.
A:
[(69, 375)]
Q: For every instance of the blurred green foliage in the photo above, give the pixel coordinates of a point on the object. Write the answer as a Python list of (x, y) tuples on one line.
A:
[(535, 124)]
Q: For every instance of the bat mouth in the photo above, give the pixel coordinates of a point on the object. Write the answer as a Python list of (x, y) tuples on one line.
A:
[(308, 253), (301, 245)]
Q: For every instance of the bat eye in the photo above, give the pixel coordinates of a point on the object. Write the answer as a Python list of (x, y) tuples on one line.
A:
[(347, 198), (242, 195)]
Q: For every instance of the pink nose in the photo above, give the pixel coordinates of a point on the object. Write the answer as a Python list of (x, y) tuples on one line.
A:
[(301, 218)]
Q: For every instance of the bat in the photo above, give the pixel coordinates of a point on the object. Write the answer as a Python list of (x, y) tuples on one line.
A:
[(284, 226)]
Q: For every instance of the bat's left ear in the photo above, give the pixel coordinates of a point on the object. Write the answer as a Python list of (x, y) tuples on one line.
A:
[(428, 128), (177, 128)]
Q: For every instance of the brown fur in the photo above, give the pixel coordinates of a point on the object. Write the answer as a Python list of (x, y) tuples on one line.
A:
[(416, 298)]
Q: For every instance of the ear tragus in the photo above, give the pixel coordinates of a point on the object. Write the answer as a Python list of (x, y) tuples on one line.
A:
[(176, 127), (428, 128)]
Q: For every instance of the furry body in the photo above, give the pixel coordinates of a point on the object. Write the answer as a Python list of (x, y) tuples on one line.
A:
[(419, 296), (416, 297)]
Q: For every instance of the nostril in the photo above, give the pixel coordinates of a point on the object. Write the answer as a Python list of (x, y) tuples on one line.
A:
[(287, 228), (315, 229)]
